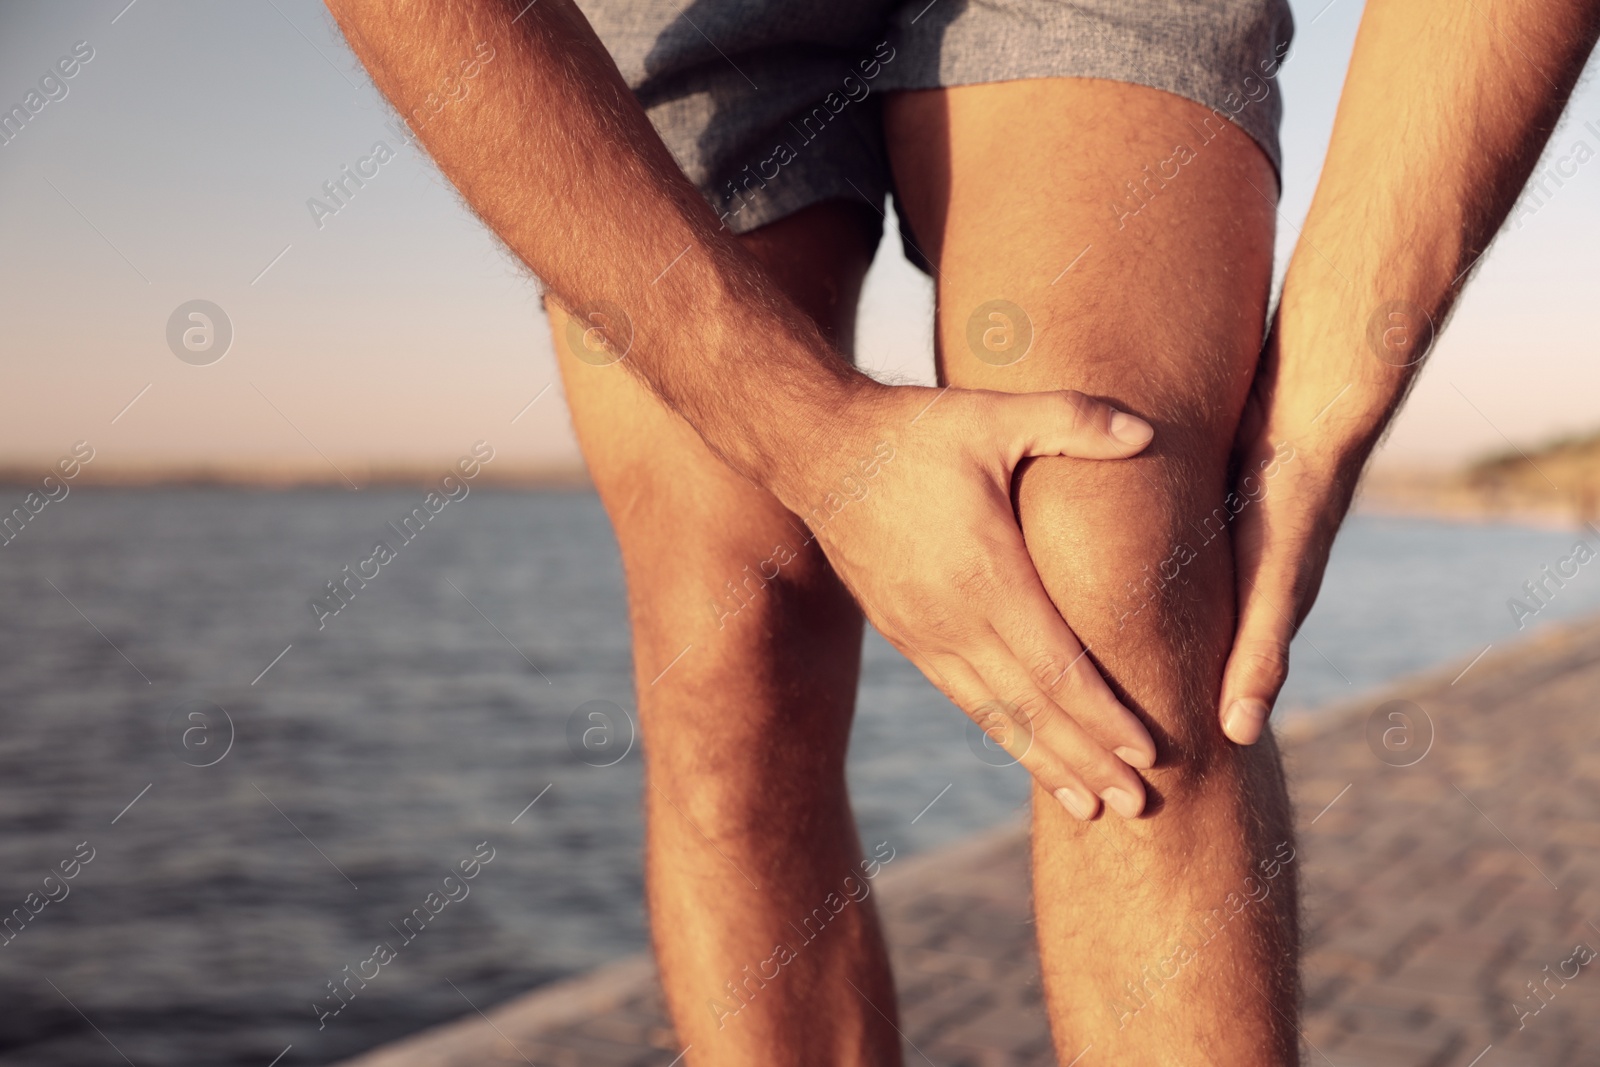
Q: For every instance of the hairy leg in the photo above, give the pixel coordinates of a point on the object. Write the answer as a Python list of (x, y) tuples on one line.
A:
[(746, 654), (1171, 938)]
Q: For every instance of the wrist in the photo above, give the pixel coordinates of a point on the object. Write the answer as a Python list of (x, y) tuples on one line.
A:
[(750, 372), (1339, 373), (803, 451)]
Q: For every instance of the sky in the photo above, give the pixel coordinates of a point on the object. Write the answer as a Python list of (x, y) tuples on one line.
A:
[(178, 165)]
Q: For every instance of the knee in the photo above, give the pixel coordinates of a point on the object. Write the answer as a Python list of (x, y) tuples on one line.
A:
[(1138, 557), (769, 628), (731, 576), (746, 647)]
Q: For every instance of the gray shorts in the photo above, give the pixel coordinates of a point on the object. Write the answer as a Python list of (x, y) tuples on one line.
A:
[(770, 106)]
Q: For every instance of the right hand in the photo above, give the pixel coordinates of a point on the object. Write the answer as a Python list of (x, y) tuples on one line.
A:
[(935, 556)]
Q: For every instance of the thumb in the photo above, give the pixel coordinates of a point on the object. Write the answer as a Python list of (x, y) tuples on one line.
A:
[(1067, 423), (1256, 669)]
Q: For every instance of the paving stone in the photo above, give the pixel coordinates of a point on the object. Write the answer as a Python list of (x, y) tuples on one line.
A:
[(1427, 897)]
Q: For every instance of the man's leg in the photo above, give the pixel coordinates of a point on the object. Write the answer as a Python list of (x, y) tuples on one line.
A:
[(1170, 939), (746, 653)]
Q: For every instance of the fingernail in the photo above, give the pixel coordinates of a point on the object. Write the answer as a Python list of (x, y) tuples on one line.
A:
[(1245, 719), (1134, 758), (1122, 802), (1079, 806), (1130, 429)]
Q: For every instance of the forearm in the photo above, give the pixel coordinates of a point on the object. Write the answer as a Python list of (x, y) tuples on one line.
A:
[(1446, 108), (555, 155)]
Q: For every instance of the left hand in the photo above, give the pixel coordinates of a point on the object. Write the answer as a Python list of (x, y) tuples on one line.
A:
[(1299, 486)]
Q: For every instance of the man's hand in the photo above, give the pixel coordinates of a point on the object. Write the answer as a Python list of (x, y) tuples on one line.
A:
[(935, 557), (1445, 110), (1298, 485)]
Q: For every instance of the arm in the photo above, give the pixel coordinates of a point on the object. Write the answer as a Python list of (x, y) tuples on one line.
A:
[(1445, 110), (557, 157)]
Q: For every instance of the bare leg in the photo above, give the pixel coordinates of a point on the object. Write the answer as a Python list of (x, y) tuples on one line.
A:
[(1149, 956), (746, 655)]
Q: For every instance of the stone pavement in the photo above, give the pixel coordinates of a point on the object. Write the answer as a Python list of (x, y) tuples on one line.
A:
[(1451, 862)]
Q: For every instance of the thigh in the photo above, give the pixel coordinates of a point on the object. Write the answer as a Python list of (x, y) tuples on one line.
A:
[(729, 603), (1130, 226)]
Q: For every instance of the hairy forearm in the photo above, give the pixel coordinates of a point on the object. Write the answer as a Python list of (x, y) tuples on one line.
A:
[(555, 155), (1445, 111)]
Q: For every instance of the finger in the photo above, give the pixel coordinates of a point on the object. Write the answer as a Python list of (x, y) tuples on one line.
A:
[(1061, 752), (1015, 733), (1042, 642), (1066, 423), (1257, 666)]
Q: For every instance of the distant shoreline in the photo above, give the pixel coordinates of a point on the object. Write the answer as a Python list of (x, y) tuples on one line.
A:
[(1418, 494), (1449, 497), (410, 476), (1467, 514)]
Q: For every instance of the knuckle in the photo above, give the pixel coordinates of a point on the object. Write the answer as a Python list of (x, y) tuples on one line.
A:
[(1106, 771), (1048, 671), (1064, 769), (985, 713), (939, 622), (973, 578), (1084, 410), (1033, 710), (1052, 776), (999, 723), (1268, 661)]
